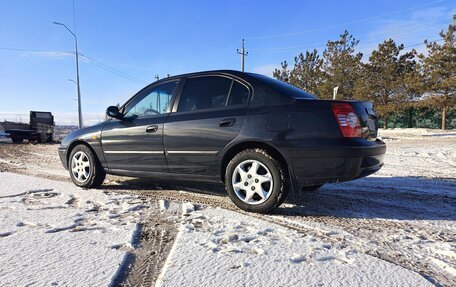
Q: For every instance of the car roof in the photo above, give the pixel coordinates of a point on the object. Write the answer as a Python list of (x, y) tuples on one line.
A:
[(255, 80), (235, 73)]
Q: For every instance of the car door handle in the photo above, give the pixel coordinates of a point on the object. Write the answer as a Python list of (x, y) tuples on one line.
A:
[(152, 129), (227, 122)]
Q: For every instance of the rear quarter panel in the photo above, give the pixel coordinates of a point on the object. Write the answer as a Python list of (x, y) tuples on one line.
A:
[(288, 127)]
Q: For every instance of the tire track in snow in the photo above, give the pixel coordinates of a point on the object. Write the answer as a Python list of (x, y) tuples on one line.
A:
[(157, 236), (362, 241)]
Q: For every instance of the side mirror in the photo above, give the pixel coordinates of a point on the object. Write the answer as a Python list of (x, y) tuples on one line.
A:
[(113, 112)]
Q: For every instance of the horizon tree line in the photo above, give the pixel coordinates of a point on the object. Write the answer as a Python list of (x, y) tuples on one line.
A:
[(405, 86)]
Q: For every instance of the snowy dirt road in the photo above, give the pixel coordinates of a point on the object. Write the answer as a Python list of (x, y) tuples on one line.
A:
[(405, 214), (54, 234)]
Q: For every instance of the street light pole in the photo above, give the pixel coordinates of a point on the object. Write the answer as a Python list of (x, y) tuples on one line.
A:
[(77, 72)]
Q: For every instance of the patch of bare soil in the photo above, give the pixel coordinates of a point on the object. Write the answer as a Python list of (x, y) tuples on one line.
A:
[(41, 160)]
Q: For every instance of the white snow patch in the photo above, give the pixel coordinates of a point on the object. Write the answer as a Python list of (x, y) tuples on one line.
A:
[(187, 208), (401, 134), (53, 233), (230, 249)]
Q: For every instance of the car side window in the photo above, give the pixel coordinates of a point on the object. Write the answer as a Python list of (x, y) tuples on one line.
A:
[(201, 93), (154, 102), (239, 94)]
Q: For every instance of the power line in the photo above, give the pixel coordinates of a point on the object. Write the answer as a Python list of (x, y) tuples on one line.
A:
[(217, 57), (112, 70), (89, 59), (343, 24), (425, 27), (36, 51), (419, 44), (319, 45)]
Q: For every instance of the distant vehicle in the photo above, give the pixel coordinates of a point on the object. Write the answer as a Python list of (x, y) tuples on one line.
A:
[(41, 128), (3, 134), (260, 136)]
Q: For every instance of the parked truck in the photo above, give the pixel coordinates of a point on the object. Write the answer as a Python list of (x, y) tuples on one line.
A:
[(40, 128)]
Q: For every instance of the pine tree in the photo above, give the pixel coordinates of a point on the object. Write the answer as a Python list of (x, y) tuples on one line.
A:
[(440, 73), (306, 73), (382, 80), (341, 67), (412, 89), (282, 74)]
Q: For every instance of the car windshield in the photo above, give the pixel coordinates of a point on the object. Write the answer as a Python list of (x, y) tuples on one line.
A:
[(283, 88)]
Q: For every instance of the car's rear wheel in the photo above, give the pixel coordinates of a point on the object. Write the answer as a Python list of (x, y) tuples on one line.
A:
[(85, 169), (255, 181), (42, 138)]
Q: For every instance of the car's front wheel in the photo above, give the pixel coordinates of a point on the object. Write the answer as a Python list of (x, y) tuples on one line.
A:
[(85, 169), (17, 139), (255, 181)]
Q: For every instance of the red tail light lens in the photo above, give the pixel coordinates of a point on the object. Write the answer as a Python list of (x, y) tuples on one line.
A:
[(347, 119)]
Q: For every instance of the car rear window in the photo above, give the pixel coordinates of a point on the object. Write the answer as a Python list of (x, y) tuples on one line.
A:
[(283, 88), (239, 94)]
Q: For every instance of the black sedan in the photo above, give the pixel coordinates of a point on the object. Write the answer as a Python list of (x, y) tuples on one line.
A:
[(259, 136)]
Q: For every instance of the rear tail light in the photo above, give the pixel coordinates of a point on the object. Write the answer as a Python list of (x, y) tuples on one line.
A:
[(347, 119)]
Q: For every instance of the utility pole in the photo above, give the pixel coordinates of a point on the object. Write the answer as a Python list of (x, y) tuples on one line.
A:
[(335, 92), (77, 73), (243, 53)]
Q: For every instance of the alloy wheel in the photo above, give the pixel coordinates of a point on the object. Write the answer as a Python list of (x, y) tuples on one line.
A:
[(80, 166), (252, 182)]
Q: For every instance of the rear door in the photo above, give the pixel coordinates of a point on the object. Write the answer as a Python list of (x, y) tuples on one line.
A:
[(207, 116), (135, 143)]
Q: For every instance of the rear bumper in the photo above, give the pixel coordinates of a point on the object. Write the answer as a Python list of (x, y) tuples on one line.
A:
[(320, 162), (63, 156)]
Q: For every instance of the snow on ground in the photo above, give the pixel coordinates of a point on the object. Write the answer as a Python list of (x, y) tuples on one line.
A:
[(419, 153), (406, 211), (398, 133), (55, 234), (216, 247)]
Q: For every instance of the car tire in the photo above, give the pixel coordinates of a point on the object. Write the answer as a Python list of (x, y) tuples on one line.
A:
[(250, 189), (85, 168), (311, 187), (17, 140)]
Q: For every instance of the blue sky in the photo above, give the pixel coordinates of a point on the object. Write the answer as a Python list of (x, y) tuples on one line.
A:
[(142, 39)]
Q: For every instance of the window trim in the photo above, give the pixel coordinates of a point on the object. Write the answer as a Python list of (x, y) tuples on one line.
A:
[(225, 107), (249, 97)]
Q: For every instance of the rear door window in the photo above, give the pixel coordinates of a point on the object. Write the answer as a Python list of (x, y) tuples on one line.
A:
[(201, 93)]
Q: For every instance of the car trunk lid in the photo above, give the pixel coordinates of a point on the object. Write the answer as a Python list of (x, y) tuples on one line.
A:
[(368, 119)]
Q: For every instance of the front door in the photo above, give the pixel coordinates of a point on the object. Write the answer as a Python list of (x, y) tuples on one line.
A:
[(209, 115), (135, 143)]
